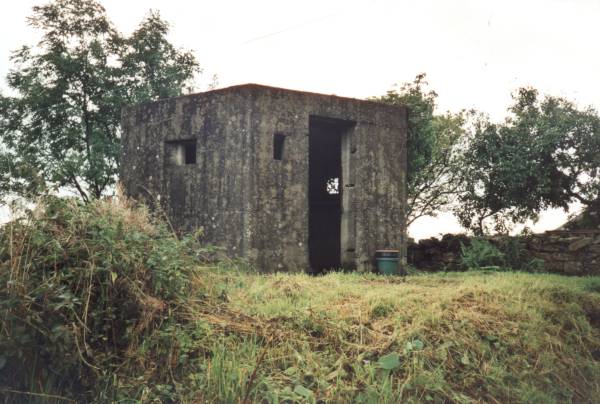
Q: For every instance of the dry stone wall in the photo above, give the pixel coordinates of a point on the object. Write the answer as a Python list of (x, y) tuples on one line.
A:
[(574, 252), (437, 254), (568, 252)]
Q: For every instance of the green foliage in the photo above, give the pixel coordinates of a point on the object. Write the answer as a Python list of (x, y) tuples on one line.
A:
[(516, 256), (422, 139), (99, 302), (90, 296), (413, 346), (62, 127), (388, 363), (545, 154), (382, 309), (479, 254), (504, 253), (432, 170), (451, 337), (151, 67)]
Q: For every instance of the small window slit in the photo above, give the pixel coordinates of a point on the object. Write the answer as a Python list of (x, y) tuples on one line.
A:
[(180, 152), (278, 143)]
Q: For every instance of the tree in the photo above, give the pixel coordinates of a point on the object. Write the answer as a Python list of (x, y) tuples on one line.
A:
[(545, 154), (487, 193), (151, 66), (432, 141), (61, 129)]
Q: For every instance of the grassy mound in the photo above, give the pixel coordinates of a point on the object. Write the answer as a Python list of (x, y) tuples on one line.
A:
[(460, 337), (102, 303), (94, 299)]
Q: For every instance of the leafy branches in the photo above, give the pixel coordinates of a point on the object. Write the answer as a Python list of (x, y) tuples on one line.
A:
[(62, 128), (545, 154), (151, 66), (432, 170)]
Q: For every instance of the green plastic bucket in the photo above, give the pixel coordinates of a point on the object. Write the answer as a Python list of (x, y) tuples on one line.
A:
[(387, 261)]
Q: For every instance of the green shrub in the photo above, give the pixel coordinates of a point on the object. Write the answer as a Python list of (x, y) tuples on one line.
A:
[(89, 292), (516, 255), (102, 303), (480, 254), (504, 253)]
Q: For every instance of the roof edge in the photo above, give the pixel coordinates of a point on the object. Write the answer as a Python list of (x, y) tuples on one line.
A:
[(255, 86)]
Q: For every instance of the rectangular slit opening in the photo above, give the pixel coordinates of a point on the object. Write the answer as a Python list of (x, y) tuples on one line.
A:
[(278, 143)]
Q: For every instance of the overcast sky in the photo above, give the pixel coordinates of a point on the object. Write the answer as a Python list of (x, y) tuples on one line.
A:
[(474, 52)]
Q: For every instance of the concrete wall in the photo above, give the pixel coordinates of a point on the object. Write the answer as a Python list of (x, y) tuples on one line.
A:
[(210, 194), (246, 201)]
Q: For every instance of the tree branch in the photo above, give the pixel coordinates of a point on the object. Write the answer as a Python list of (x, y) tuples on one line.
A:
[(83, 194)]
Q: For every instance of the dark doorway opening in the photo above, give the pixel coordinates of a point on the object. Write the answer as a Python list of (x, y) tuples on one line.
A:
[(325, 192)]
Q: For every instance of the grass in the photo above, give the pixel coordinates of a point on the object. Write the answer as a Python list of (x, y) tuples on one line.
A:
[(101, 303), (463, 337)]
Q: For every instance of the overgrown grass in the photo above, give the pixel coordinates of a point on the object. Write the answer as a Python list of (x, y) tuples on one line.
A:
[(197, 332), (95, 302), (464, 337)]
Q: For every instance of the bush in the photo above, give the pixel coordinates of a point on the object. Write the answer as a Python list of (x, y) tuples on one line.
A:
[(516, 255), (480, 254), (90, 293), (505, 252)]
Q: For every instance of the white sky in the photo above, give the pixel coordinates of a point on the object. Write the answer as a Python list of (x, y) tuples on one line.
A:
[(474, 52)]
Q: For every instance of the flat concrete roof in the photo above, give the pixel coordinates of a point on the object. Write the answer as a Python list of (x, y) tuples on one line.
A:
[(264, 88)]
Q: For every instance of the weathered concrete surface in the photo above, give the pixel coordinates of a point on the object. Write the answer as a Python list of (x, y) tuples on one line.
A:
[(245, 200)]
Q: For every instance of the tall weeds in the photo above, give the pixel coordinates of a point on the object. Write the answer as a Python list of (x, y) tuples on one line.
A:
[(91, 296), (101, 302)]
